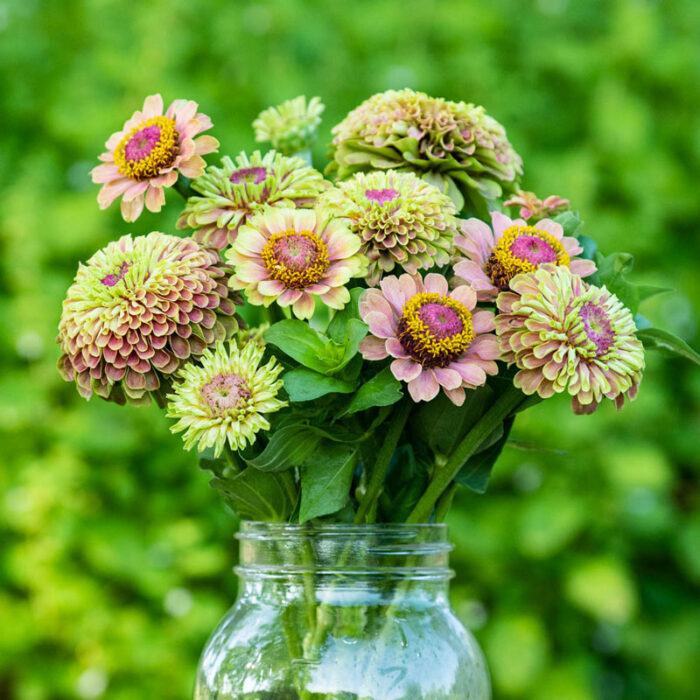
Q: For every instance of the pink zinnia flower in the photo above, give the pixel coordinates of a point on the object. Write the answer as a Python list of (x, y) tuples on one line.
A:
[(494, 257), (146, 155), (293, 255), (437, 338)]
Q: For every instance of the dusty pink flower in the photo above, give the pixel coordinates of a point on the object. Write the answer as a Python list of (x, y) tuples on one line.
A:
[(566, 335), (436, 336), (533, 208), (493, 257), (147, 154)]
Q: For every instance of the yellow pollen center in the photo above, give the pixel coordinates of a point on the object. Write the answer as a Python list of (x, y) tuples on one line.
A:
[(435, 329), (298, 259), (523, 249), (147, 149)]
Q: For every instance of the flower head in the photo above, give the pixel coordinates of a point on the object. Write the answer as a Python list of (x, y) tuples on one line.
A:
[(532, 208), (401, 219), (436, 336), (233, 193), (292, 255), (410, 130), (566, 335), (224, 398), (492, 258), (147, 154), (290, 127), (137, 310)]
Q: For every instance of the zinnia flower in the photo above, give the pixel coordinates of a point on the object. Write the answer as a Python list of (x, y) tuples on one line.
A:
[(410, 130), (236, 191), (532, 208), (147, 154), (493, 258), (137, 310), (290, 127), (292, 255), (224, 398), (437, 338), (566, 335), (400, 218)]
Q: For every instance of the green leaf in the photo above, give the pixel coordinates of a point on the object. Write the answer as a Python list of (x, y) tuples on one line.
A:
[(646, 291), (655, 338), (406, 482), (305, 385), (612, 271), (338, 327), (641, 322), (590, 247), (476, 472), (326, 477), (570, 222), (441, 424), (304, 344), (288, 447), (382, 390), (256, 495)]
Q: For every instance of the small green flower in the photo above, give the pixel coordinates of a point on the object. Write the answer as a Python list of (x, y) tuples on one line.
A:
[(224, 399), (290, 127), (241, 187)]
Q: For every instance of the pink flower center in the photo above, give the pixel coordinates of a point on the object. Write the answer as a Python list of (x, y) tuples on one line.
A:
[(112, 279), (252, 176), (381, 196), (296, 253), (225, 392), (142, 143), (533, 249), (597, 328), (440, 320)]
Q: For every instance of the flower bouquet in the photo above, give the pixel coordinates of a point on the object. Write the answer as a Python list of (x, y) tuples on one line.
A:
[(344, 353)]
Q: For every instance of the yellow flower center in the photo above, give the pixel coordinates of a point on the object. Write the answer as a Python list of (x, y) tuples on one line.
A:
[(147, 149), (523, 249), (298, 259), (435, 329)]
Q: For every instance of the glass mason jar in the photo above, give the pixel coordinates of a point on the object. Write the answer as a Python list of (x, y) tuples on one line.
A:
[(342, 612)]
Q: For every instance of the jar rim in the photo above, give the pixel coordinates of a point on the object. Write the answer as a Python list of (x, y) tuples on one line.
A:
[(251, 529)]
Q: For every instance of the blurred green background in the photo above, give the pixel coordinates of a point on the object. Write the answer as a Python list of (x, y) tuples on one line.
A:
[(578, 570)]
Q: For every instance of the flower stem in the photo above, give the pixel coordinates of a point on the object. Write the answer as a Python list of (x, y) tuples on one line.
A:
[(444, 476), (182, 187), (376, 480)]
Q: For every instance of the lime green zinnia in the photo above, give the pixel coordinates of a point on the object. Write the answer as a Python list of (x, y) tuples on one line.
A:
[(230, 195), (290, 127), (225, 398)]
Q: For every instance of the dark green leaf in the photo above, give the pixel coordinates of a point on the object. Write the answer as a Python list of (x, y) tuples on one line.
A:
[(338, 327), (326, 477), (476, 472), (441, 424), (667, 342), (382, 390), (305, 385), (288, 447), (256, 495), (407, 480), (612, 271)]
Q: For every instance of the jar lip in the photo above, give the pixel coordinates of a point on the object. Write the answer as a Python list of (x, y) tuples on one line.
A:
[(252, 529)]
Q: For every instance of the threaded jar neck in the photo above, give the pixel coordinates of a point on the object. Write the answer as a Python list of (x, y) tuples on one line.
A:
[(415, 552)]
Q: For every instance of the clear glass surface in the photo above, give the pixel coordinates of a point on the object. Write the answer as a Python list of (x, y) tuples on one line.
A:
[(342, 612)]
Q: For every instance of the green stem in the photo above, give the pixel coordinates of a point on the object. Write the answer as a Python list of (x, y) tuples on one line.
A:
[(445, 475), (183, 188), (376, 480), (444, 502)]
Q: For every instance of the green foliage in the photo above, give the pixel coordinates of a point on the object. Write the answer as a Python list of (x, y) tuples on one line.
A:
[(116, 557), (383, 389)]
